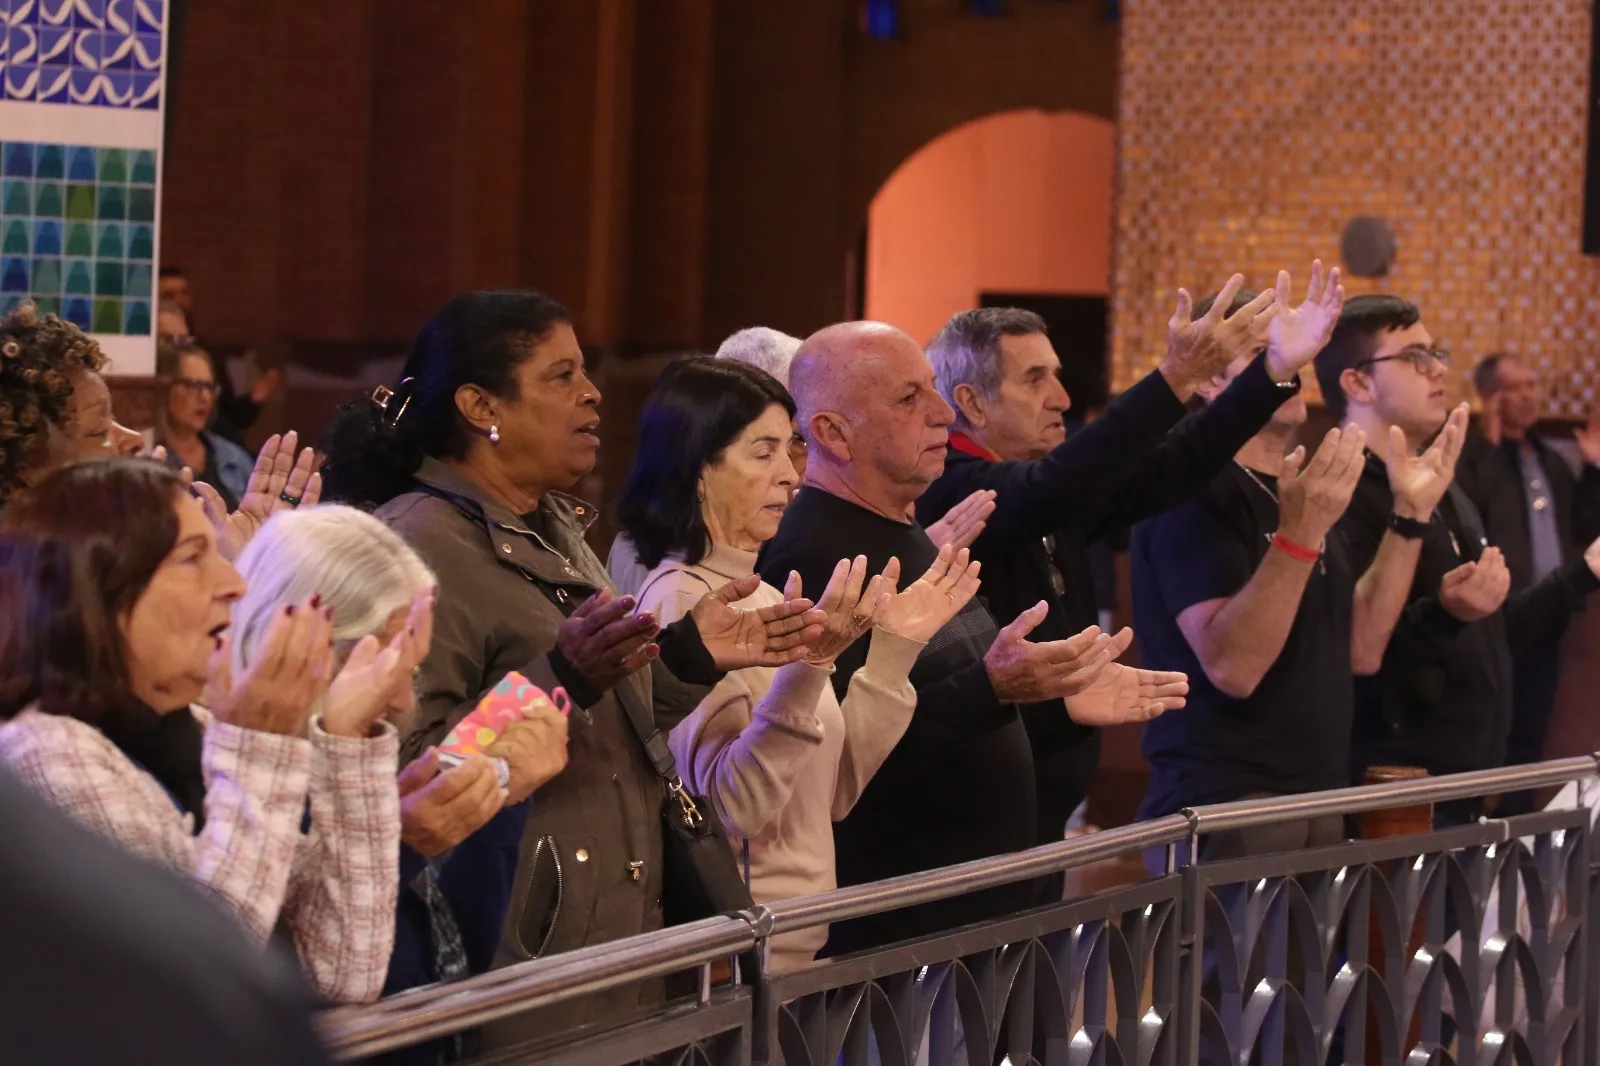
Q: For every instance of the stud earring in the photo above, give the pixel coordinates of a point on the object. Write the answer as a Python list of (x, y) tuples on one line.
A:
[(494, 434)]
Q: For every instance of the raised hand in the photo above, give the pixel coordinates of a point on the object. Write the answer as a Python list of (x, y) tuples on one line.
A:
[(771, 636), (1296, 334), (848, 611), (1021, 671), (288, 672), (1588, 438), (440, 810), (280, 481), (1476, 590), (374, 680), (535, 749), (605, 642), (930, 601), (963, 523), (1122, 694), (1310, 501), (1419, 482), (1198, 349)]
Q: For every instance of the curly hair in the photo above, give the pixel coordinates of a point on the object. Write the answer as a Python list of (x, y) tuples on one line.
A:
[(38, 354)]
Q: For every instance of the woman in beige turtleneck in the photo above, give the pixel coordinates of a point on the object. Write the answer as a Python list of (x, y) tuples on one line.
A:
[(777, 754)]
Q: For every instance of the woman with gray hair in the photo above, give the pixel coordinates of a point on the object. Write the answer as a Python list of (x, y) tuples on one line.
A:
[(460, 827)]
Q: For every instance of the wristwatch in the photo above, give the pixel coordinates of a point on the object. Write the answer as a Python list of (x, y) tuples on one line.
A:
[(1409, 528)]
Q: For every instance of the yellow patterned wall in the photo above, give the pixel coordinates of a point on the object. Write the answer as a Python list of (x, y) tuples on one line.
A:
[(1251, 130)]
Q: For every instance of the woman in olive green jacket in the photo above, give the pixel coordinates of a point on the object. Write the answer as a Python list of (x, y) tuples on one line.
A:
[(467, 459)]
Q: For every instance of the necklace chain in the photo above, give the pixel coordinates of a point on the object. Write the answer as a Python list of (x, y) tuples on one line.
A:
[(1262, 485)]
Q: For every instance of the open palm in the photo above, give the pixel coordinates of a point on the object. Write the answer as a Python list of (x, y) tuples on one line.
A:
[(771, 636), (1420, 481), (278, 473), (1123, 694), (1296, 334), (930, 601)]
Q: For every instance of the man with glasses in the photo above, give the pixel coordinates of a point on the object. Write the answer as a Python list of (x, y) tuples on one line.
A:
[(1441, 699), (1056, 495)]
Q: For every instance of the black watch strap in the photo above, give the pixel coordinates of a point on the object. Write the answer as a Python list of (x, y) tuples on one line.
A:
[(1409, 528)]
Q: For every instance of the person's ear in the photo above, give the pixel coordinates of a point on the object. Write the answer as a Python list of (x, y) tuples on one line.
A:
[(1357, 386), (478, 407), (969, 405), (830, 434)]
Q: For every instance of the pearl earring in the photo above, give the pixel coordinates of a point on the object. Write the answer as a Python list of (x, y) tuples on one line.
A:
[(494, 434)]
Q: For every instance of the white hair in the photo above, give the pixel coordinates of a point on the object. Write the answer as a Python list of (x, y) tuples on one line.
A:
[(763, 348), (361, 567)]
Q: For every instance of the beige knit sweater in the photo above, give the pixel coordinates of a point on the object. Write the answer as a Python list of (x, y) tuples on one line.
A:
[(773, 750)]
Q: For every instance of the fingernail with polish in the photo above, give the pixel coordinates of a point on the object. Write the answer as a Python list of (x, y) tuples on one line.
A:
[(316, 599), (289, 609)]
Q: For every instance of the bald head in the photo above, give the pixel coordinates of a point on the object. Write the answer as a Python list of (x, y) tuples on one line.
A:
[(871, 413), (835, 366)]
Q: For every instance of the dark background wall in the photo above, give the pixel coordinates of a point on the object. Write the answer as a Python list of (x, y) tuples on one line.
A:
[(673, 169)]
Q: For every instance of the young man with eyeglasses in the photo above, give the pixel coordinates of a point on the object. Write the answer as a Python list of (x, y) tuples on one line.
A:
[(1441, 699), (1250, 590)]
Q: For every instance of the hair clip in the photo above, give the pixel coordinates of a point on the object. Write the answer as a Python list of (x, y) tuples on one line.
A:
[(383, 396)]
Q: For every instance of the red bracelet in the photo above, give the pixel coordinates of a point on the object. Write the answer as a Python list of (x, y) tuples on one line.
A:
[(1295, 551)]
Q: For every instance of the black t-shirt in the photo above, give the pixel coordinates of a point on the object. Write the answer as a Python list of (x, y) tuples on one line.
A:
[(960, 784), (1292, 734)]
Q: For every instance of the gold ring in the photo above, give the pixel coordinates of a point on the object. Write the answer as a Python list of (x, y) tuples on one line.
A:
[(858, 621)]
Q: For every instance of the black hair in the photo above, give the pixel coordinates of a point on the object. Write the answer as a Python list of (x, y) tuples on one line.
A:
[(1486, 375), (1354, 340), (172, 271), (698, 407), (77, 551), (478, 338)]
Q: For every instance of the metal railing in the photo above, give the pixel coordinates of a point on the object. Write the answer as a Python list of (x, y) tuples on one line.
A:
[(1033, 984)]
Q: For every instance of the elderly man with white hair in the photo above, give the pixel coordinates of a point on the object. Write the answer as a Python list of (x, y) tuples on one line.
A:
[(1057, 495), (772, 351)]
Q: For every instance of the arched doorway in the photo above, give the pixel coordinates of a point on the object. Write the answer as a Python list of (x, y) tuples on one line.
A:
[(1015, 202)]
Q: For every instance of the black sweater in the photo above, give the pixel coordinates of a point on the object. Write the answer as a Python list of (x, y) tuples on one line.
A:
[(959, 785), (1117, 470), (1442, 698)]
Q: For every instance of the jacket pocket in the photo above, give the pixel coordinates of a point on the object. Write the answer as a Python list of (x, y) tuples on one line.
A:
[(558, 897)]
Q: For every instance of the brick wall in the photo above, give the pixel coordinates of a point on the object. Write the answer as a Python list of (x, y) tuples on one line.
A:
[(1460, 121)]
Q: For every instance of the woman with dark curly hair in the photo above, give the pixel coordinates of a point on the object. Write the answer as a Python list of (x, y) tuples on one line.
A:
[(55, 408)]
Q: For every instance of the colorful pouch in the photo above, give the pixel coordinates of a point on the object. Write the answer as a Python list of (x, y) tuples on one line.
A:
[(513, 698)]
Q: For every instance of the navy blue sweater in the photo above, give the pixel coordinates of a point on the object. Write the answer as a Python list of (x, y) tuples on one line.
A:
[(476, 881)]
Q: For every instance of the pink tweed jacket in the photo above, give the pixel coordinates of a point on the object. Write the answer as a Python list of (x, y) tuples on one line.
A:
[(334, 887)]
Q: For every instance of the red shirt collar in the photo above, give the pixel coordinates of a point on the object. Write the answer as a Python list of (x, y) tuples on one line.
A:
[(967, 446)]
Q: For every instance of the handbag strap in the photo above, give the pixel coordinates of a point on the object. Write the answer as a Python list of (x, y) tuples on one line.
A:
[(643, 726)]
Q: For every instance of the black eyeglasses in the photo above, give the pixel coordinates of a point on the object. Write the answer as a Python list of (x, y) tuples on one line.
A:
[(199, 386), (1422, 360)]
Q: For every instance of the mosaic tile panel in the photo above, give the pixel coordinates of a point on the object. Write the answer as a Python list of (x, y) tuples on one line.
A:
[(1252, 130), (88, 53), (77, 233)]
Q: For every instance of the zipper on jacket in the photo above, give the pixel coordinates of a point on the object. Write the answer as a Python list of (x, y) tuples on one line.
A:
[(636, 865), (545, 843)]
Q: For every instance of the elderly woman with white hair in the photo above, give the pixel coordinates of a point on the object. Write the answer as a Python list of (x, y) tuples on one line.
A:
[(460, 827)]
